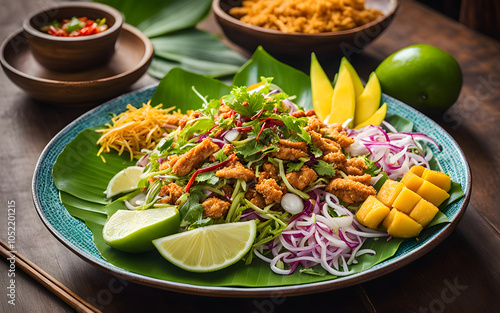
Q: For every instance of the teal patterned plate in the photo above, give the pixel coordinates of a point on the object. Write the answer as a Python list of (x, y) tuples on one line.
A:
[(75, 235)]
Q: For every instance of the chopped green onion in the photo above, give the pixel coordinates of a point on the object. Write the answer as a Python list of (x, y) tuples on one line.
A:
[(74, 24)]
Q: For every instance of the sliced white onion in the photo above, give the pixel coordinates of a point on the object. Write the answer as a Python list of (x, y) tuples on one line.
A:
[(231, 135), (135, 201)]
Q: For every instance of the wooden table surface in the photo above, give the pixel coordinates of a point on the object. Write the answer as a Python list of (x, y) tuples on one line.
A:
[(462, 274)]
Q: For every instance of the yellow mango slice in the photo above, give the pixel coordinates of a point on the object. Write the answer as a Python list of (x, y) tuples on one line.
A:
[(254, 86), (389, 192), (432, 193), (417, 170), (402, 226), (424, 212), (389, 218), (322, 89), (372, 212), (356, 81), (412, 181), (439, 179), (368, 102), (376, 118), (343, 101), (406, 200)]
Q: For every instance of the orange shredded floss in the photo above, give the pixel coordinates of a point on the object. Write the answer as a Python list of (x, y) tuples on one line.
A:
[(137, 129)]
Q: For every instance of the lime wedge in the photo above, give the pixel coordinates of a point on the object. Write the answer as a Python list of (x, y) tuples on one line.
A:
[(209, 248), (134, 231), (124, 181)]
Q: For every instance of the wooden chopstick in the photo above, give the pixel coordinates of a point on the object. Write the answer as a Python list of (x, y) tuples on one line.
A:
[(48, 281)]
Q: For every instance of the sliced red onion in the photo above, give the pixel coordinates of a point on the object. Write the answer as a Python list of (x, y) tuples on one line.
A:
[(318, 238), (218, 142), (392, 151), (143, 161), (293, 107)]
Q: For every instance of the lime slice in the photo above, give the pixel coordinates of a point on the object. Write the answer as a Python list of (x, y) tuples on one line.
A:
[(124, 181), (209, 248), (134, 231)]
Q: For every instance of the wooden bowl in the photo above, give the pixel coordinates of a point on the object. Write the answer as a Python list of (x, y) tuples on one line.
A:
[(67, 54), (300, 45), (88, 87)]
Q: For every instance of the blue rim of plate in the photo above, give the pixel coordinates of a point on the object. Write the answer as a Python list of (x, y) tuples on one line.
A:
[(60, 223)]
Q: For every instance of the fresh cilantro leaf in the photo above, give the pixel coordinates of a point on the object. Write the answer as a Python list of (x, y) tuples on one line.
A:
[(211, 108), (208, 177), (372, 168), (286, 134), (268, 136), (294, 167), (244, 102), (250, 148), (297, 125), (192, 211), (316, 151), (324, 169), (220, 156)]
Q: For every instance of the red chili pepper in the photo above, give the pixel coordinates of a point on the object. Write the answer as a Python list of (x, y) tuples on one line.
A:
[(216, 125), (244, 104), (243, 129), (261, 129), (208, 169), (258, 114)]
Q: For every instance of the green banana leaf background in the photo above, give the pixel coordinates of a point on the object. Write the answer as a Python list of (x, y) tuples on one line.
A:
[(176, 41), (81, 187)]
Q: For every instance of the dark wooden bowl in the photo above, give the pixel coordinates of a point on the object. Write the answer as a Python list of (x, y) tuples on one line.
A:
[(67, 54), (300, 45), (83, 88)]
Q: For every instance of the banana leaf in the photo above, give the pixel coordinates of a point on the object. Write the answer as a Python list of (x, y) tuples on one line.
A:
[(159, 67), (82, 177), (195, 51), (195, 44), (177, 88), (159, 17), (170, 25), (291, 80)]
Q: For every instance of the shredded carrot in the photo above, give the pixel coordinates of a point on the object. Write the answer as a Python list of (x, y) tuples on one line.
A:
[(137, 129)]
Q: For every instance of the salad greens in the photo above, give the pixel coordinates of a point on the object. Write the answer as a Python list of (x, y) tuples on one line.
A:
[(88, 203)]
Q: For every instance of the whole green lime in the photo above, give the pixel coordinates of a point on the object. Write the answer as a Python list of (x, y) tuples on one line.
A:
[(422, 76)]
